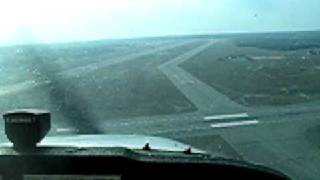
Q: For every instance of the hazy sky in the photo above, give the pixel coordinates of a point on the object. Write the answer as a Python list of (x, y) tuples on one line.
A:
[(25, 21)]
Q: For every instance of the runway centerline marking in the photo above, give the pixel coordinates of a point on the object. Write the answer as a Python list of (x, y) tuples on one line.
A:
[(67, 130), (225, 116), (234, 123)]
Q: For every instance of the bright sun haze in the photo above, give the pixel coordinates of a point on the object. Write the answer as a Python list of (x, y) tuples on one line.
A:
[(34, 21)]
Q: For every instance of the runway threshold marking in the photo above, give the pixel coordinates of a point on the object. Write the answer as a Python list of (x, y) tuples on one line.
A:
[(234, 123), (67, 130), (226, 116)]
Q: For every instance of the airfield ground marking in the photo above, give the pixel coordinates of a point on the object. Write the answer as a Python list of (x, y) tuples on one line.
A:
[(234, 123)]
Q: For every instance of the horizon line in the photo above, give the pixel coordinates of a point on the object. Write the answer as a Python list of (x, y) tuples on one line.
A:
[(159, 36)]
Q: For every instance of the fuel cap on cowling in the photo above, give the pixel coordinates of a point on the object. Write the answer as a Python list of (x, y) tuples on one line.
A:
[(26, 127)]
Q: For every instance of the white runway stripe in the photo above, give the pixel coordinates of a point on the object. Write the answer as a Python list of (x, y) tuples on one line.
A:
[(67, 130), (226, 116), (235, 123)]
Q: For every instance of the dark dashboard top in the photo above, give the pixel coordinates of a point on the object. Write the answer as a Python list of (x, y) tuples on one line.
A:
[(128, 163)]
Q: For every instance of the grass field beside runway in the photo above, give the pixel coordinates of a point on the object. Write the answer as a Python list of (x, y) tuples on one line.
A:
[(260, 76), (25, 62), (128, 89)]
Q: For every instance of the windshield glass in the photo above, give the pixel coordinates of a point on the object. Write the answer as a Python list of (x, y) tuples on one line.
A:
[(235, 78)]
